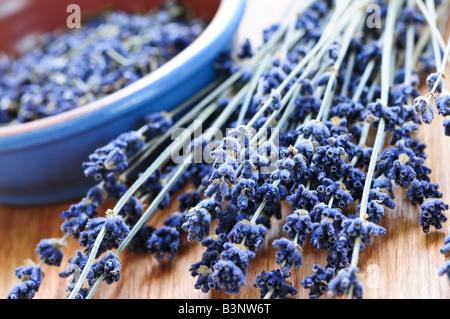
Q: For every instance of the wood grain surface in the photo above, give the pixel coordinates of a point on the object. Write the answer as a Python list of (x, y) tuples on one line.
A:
[(402, 264)]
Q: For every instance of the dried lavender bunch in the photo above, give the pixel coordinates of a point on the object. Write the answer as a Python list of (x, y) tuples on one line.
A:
[(247, 234), (111, 167), (73, 68), (298, 112), (79, 220), (321, 170), (166, 239)]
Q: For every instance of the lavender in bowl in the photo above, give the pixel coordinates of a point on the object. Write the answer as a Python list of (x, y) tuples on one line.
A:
[(74, 67), (40, 160)]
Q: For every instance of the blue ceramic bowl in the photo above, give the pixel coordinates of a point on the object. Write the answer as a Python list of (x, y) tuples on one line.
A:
[(40, 161)]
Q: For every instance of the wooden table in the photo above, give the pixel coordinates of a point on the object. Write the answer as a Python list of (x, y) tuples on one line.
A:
[(402, 264)]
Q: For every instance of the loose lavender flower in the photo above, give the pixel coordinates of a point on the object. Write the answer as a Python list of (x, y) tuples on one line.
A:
[(157, 123), (345, 281), (274, 284), (424, 107), (357, 227), (204, 268), (318, 282), (115, 228), (164, 241), (446, 248), (108, 267), (289, 254), (252, 233), (77, 218), (230, 270), (31, 277), (228, 276), (49, 250), (197, 223), (445, 270), (432, 214), (432, 79), (75, 267), (298, 225)]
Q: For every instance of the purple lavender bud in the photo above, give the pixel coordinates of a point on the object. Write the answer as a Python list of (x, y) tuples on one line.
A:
[(77, 218), (113, 188), (94, 196), (445, 270), (75, 267), (298, 225), (197, 223), (446, 248), (33, 273), (432, 214), (49, 250), (164, 241), (132, 210), (267, 33), (253, 234), (423, 106), (357, 227), (317, 130), (189, 199), (324, 234), (246, 50), (276, 100), (431, 81), (447, 125), (403, 174), (443, 104), (239, 255), (228, 276), (370, 51), (139, 242), (116, 231), (31, 277), (325, 78), (344, 281), (204, 268), (391, 115), (275, 284), (157, 123), (109, 267), (289, 254), (318, 282)]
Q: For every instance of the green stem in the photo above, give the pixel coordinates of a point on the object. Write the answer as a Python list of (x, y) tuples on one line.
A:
[(385, 87), (432, 24)]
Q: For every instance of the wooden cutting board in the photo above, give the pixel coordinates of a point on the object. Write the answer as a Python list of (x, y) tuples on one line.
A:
[(402, 264)]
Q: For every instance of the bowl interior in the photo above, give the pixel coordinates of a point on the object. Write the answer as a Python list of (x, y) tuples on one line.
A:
[(22, 21)]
